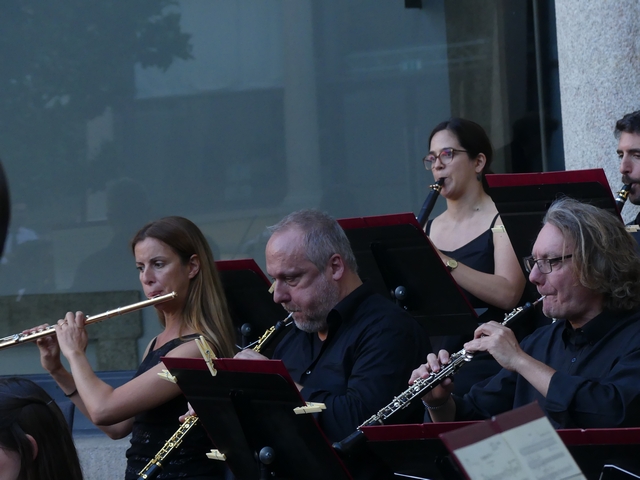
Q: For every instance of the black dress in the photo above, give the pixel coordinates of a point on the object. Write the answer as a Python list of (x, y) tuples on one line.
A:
[(477, 254), (151, 429)]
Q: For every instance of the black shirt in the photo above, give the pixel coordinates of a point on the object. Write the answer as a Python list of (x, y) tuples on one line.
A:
[(371, 349), (597, 378)]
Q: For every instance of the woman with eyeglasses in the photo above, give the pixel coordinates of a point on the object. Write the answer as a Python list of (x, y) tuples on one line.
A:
[(481, 261)]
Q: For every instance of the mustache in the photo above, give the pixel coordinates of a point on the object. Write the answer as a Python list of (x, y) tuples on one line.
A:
[(627, 180)]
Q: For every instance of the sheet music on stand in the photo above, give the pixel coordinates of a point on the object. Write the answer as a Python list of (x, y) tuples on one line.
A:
[(416, 450), (395, 255), (249, 411), (517, 445)]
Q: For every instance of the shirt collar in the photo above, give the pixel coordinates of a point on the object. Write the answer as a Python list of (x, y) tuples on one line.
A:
[(345, 308), (594, 330)]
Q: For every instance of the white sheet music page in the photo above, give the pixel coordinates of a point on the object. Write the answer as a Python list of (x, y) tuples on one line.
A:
[(541, 452), (520, 444), (491, 459)]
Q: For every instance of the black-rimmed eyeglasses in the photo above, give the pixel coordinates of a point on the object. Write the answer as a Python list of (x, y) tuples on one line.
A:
[(445, 156), (545, 265)]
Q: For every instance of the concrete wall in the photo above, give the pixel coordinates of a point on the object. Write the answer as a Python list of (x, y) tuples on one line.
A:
[(100, 457), (599, 62)]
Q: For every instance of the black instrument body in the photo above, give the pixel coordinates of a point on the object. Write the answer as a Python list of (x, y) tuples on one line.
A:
[(430, 202)]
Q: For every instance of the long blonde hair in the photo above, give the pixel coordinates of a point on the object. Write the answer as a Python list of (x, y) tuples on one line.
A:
[(205, 310)]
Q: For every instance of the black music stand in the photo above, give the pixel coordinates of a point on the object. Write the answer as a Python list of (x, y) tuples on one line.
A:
[(417, 451), (595, 448), (396, 256), (248, 411), (250, 302), (522, 199), (613, 472)]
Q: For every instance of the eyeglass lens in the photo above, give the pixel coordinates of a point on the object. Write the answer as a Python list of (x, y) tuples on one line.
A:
[(544, 264), (445, 157)]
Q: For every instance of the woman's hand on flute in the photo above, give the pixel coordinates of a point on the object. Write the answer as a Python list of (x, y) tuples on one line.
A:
[(49, 349), (72, 335)]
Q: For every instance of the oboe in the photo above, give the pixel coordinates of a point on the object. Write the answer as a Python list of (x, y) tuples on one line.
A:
[(153, 468), (430, 202), (622, 195), (421, 387), (272, 332)]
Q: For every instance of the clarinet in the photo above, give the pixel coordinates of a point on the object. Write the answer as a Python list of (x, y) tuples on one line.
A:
[(153, 468), (622, 195), (430, 202), (272, 332), (420, 388)]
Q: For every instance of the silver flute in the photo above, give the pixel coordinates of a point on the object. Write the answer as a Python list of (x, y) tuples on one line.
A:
[(19, 338)]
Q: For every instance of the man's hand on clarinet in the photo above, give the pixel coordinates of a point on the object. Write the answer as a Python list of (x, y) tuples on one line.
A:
[(441, 393)]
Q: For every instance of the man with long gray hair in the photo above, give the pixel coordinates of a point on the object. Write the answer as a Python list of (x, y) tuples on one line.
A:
[(583, 369)]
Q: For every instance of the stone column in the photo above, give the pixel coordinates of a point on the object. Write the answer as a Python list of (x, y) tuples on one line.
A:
[(599, 63)]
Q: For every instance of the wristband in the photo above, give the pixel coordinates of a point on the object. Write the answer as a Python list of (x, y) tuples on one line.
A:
[(437, 407), (71, 394)]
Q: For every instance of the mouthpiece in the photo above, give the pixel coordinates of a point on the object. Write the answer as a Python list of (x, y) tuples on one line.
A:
[(438, 185), (269, 335), (622, 195), (539, 300)]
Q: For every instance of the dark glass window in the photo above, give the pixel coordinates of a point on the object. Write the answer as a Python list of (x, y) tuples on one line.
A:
[(233, 113)]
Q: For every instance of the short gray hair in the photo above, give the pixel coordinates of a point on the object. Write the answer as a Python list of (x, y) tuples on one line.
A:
[(323, 237)]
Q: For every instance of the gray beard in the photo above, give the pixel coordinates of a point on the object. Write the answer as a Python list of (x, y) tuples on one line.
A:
[(316, 319), (312, 326)]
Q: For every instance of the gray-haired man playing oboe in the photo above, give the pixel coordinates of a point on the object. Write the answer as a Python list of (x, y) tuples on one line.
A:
[(582, 369)]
